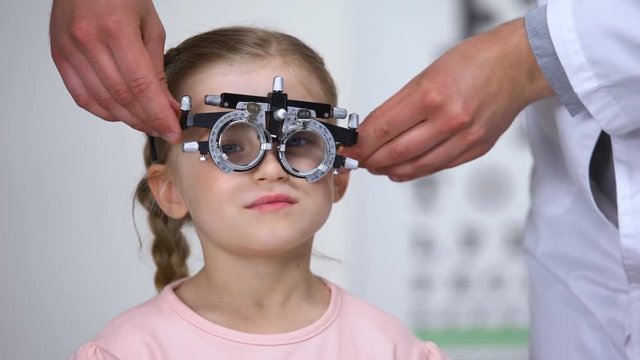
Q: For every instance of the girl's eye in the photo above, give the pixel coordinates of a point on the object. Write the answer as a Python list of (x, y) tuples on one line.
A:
[(231, 148), (297, 141)]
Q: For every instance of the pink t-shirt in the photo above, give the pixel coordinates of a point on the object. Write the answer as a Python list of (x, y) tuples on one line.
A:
[(166, 328)]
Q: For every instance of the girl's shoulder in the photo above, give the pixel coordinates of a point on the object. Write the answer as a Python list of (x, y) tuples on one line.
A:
[(380, 329), (148, 323), (358, 312), (139, 320)]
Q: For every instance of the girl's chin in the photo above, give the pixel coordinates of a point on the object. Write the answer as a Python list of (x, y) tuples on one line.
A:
[(271, 248)]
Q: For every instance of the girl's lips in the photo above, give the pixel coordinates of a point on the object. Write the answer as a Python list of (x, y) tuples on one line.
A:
[(271, 202)]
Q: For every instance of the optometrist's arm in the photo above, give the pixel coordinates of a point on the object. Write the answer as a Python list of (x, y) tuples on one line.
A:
[(455, 110), (110, 56)]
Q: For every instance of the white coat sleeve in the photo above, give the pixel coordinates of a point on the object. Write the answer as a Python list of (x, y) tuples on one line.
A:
[(598, 44)]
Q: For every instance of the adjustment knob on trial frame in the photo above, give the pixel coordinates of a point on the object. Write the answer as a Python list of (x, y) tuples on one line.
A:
[(214, 100), (280, 114)]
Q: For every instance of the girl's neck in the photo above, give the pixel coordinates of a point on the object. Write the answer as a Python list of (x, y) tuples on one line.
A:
[(257, 295)]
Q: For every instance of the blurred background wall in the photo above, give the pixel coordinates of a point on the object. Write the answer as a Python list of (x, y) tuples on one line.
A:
[(441, 253)]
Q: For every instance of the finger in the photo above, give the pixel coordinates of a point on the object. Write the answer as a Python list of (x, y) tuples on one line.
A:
[(450, 153), (104, 66), (466, 156), (70, 77), (88, 41), (414, 142), (79, 92), (137, 69), (424, 165), (173, 103), (175, 106), (401, 112), (100, 94)]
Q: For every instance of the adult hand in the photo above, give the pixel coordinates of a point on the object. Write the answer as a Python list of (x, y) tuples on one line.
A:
[(110, 56), (455, 110)]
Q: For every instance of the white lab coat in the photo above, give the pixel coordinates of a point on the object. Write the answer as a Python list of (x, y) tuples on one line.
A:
[(585, 270)]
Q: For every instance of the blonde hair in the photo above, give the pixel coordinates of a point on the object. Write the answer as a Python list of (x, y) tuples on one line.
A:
[(238, 44)]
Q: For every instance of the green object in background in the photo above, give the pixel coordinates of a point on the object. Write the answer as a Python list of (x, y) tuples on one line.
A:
[(508, 337)]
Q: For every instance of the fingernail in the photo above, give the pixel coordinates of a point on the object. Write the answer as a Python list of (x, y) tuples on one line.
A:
[(171, 137)]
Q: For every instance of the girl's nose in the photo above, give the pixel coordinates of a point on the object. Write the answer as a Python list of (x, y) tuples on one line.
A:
[(269, 169)]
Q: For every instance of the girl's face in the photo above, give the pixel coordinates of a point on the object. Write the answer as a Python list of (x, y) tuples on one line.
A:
[(264, 211)]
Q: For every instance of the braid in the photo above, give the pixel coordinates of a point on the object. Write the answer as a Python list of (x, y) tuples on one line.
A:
[(170, 248)]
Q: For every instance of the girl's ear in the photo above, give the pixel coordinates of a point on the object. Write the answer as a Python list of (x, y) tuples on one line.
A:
[(166, 192), (340, 182)]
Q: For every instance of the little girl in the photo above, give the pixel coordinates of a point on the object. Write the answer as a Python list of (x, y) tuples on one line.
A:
[(255, 297)]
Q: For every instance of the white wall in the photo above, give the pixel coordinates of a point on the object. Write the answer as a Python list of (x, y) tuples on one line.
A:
[(69, 255)]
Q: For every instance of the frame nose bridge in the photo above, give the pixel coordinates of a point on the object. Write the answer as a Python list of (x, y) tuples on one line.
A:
[(270, 166)]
